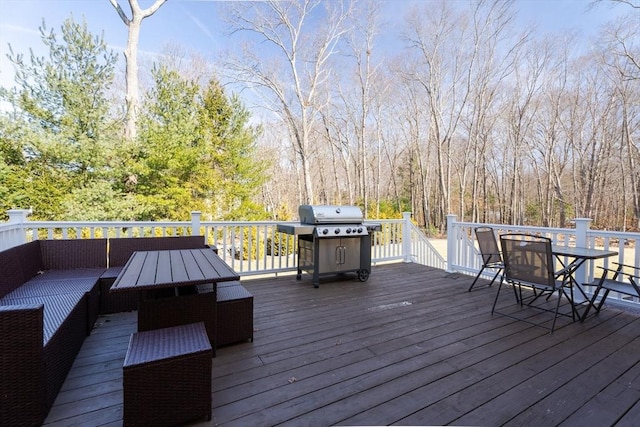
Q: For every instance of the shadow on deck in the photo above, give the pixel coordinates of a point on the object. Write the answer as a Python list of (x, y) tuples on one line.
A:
[(411, 346)]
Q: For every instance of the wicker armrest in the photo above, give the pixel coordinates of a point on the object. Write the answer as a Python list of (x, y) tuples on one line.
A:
[(57, 308), (22, 398)]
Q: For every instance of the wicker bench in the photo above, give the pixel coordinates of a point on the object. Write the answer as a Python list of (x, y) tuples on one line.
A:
[(161, 309), (167, 376), (234, 312), (234, 308)]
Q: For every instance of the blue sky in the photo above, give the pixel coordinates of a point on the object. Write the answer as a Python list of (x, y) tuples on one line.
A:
[(194, 24)]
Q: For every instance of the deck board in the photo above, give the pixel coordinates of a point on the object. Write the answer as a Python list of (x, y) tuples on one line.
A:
[(410, 346)]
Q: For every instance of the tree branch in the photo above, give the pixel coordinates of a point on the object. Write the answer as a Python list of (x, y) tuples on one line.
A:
[(151, 10), (123, 16)]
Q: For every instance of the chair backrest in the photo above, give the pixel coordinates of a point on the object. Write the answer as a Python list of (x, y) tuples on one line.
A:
[(528, 259), (488, 245)]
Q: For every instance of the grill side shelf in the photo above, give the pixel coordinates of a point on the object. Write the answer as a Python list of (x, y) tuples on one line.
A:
[(295, 229)]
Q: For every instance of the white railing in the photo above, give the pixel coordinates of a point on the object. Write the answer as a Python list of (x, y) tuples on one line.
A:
[(463, 255), (421, 250), (250, 248), (256, 247)]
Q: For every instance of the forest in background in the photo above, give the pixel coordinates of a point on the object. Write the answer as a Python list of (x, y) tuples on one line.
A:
[(473, 115)]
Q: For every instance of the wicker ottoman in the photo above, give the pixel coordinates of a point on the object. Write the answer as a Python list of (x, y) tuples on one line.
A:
[(234, 315), (167, 376)]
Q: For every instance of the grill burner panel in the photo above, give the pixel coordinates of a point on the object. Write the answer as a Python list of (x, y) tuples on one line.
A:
[(340, 230)]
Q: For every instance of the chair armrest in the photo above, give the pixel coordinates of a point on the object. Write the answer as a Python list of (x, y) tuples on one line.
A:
[(615, 271), (631, 276), (621, 266), (628, 287)]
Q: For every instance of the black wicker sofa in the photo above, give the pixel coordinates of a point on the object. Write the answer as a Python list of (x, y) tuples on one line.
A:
[(51, 293), (49, 299)]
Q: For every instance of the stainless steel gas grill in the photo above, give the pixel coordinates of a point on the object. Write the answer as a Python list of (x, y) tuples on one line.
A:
[(332, 239)]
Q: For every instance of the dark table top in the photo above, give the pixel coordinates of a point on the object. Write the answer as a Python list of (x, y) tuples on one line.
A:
[(171, 268), (584, 253)]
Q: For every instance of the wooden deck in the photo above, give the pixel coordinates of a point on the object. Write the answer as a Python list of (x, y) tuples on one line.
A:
[(411, 346)]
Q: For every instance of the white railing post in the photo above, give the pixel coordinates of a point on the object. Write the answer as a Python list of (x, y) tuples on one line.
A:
[(451, 243), (406, 237), (195, 222), (582, 227), (19, 218)]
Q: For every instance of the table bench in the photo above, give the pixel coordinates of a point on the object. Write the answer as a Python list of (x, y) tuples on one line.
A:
[(167, 376), (234, 313)]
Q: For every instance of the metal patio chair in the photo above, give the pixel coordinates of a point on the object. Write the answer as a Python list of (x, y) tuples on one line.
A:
[(490, 253), (528, 262), (629, 287)]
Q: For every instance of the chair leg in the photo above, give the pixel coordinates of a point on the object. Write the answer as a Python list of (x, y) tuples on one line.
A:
[(555, 314), (476, 279), (574, 310), (495, 276), (495, 301), (593, 302), (518, 294)]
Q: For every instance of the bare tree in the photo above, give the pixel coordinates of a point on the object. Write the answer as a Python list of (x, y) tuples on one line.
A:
[(493, 43), (620, 55), (131, 56), (292, 63), (361, 44), (453, 46)]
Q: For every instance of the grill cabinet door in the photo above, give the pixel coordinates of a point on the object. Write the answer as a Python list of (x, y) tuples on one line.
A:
[(351, 254), (337, 255)]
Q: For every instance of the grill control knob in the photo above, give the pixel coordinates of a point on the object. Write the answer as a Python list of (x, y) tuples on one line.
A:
[(325, 231), (337, 231), (359, 229), (348, 230)]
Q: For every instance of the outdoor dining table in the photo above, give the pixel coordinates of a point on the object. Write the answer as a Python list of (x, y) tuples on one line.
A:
[(577, 256), (172, 268), (165, 281)]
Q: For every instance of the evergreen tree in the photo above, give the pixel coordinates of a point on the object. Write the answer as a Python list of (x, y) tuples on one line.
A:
[(231, 151), (56, 138), (196, 151), (168, 154)]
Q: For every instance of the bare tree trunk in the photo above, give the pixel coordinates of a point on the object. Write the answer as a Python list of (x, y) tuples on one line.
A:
[(294, 86), (131, 56)]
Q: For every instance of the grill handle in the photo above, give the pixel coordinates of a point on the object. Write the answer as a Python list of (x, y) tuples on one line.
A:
[(341, 255)]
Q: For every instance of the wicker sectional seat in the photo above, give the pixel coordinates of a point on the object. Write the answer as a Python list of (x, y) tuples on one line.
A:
[(51, 293), (48, 303)]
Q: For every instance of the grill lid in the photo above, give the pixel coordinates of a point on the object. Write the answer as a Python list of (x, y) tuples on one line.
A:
[(327, 214)]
